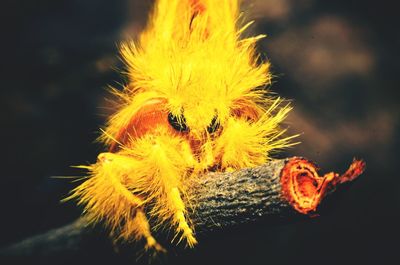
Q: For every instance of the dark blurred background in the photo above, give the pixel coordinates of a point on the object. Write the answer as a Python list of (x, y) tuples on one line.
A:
[(337, 60)]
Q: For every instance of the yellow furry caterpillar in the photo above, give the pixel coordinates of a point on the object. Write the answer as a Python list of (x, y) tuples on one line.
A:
[(196, 102)]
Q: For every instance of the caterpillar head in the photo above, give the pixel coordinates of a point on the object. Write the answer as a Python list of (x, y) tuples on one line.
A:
[(207, 81)]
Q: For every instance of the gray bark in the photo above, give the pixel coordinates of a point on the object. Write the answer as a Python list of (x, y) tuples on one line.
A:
[(223, 200)]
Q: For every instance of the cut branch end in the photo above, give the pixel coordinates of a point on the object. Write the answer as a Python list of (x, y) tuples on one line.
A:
[(304, 188)]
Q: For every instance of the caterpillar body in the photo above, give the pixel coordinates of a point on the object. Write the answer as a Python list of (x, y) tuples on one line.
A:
[(196, 102)]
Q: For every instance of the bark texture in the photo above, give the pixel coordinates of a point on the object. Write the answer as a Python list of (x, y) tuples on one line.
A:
[(228, 199)]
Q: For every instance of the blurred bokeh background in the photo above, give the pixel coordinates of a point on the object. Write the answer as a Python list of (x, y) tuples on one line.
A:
[(337, 60)]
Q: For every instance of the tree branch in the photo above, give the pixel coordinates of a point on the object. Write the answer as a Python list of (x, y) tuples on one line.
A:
[(278, 189)]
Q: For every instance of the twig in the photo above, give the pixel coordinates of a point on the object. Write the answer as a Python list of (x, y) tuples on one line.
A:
[(278, 189)]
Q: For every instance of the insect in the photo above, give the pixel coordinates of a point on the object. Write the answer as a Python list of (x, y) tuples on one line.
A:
[(195, 102)]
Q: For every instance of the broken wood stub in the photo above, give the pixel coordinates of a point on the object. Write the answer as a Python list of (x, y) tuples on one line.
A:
[(277, 189)]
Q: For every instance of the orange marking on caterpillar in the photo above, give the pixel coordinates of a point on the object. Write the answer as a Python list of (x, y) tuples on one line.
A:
[(197, 6), (151, 115), (198, 9)]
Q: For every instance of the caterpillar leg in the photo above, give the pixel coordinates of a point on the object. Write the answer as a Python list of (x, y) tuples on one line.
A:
[(168, 174), (106, 198), (179, 217), (140, 228)]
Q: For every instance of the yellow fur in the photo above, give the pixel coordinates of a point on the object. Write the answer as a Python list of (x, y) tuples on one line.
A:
[(193, 57)]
